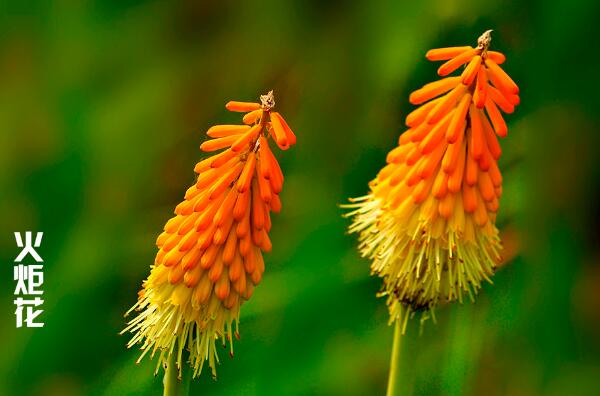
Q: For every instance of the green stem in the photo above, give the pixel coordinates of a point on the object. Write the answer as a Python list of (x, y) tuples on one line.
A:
[(392, 388), (174, 386)]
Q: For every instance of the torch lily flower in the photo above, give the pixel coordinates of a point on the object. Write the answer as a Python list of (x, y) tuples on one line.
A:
[(210, 254), (428, 222)]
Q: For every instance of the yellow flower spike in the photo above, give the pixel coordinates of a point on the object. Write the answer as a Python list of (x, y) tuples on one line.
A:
[(210, 254), (427, 224)]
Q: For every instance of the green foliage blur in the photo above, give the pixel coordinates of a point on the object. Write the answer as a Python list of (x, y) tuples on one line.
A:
[(103, 105)]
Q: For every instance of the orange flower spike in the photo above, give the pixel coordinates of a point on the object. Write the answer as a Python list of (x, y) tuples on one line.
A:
[(241, 204), (500, 78), (243, 183), (436, 135), (279, 133), (477, 137), (431, 90), (276, 178), (206, 178), (446, 104), (203, 165), (222, 158), (458, 122), (469, 198), (486, 187), (457, 61), (276, 175), (252, 117), (496, 56), (420, 132), (471, 170), (242, 107), (210, 254), (275, 203), (501, 100), (224, 212), (515, 100), (492, 142), (451, 157), (427, 224), (440, 54), (218, 144), (429, 166), (496, 118), (480, 91), (495, 174), (265, 162), (440, 185), (219, 131), (418, 115), (291, 137), (258, 206), (264, 187), (471, 70), (243, 141)]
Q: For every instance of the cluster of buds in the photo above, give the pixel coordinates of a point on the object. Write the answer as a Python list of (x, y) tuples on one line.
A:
[(428, 223), (210, 255)]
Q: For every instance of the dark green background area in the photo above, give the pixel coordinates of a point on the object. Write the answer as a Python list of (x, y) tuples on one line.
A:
[(103, 105)]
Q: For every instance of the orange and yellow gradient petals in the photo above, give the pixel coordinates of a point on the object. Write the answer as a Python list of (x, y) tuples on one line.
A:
[(427, 224), (210, 255)]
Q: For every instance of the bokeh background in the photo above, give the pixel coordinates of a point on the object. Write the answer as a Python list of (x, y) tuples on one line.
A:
[(103, 105)]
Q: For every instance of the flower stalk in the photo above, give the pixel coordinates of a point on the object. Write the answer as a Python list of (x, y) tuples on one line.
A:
[(173, 385), (393, 385)]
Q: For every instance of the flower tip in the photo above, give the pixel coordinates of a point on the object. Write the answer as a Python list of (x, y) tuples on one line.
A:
[(412, 99), (483, 42), (267, 101)]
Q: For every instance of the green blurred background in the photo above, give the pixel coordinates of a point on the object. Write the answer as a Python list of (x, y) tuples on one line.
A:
[(103, 105)]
